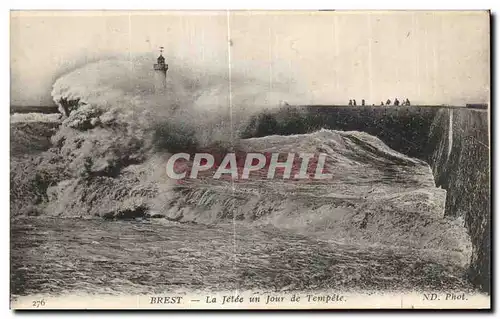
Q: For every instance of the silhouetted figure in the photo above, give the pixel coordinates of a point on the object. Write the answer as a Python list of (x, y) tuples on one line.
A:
[(363, 102), (396, 102), (388, 102), (382, 103), (354, 102), (407, 102), (350, 102)]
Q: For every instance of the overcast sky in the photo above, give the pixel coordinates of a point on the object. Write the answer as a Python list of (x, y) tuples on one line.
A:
[(428, 57)]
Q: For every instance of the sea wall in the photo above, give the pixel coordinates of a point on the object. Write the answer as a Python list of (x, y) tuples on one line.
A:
[(404, 129), (460, 160), (455, 143)]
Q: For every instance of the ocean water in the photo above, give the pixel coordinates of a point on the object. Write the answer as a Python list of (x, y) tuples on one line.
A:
[(83, 197), (378, 224), (53, 256)]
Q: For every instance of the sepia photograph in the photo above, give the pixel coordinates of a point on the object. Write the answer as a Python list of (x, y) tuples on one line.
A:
[(246, 159)]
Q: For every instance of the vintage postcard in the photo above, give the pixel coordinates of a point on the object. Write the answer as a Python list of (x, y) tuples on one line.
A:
[(250, 160)]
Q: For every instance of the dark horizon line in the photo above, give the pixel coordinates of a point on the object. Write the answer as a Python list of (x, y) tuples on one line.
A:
[(54, 109)]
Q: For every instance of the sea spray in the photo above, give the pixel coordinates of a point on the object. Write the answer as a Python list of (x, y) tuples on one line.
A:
[(123, 92), (115, 125)]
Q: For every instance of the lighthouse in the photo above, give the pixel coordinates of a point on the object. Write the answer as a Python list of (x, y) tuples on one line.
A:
[(160, 69)]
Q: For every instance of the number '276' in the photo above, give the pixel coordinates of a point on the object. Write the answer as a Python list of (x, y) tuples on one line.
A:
[(38, 303)]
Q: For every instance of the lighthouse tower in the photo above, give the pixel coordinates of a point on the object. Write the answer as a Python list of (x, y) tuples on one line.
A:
[(160, 74)]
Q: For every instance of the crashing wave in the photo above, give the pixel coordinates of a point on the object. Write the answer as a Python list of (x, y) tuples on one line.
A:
[(110, 150)]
